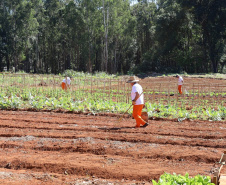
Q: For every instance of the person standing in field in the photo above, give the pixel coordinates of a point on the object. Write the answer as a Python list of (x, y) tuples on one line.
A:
[(180, 83), (137, 101), (66, 83)]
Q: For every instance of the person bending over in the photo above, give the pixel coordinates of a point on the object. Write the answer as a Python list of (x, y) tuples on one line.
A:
[(66, 83)]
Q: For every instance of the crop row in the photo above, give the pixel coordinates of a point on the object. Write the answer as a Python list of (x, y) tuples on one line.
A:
[(96, 102)]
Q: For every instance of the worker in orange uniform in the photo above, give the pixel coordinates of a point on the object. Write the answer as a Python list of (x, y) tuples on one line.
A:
[(66, 83), (180, 83), (137, 101)]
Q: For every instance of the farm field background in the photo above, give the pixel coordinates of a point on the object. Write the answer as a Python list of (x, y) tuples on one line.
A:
[(203, 98), (57, 145)]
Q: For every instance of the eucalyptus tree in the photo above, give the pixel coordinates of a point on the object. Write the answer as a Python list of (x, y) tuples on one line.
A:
[(7, 30), (144, 13), (93, 34), (4, 34), (38, 53), (173, 32), (106, 23), (121, 36), (52, 34), (211, 16), (18, 25), (31, 47), (73, 37)]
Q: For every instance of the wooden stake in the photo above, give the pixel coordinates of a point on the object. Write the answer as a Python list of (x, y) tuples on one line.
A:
[(91, 84), (215, 180), (110, 89)]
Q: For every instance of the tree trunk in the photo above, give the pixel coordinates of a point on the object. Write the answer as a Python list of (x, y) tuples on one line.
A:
[(214, 63), (8, 62), (105, 38)]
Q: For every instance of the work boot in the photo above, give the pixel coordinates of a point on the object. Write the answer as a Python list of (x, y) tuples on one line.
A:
[(146, 124)]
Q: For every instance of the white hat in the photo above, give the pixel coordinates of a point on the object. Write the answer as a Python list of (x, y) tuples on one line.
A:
[(132, 79)]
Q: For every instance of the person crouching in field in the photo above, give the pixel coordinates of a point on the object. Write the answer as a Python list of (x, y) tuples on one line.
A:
[(137, 101), (180, 83), (66, 83)]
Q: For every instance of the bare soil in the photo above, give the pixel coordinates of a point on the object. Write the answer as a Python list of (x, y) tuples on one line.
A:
[(63, 148)]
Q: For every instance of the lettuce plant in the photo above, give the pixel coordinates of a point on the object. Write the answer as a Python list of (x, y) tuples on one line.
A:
[(174, 179)]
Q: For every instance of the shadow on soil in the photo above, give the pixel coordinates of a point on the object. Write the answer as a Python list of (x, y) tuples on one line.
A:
[(119, 128), (116, 128)]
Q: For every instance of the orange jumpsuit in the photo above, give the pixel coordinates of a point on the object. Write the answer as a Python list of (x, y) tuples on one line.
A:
[(180, 89), (64, 86), (137, 110)]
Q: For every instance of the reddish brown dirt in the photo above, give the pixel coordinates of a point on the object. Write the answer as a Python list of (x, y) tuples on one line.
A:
[(61, 148)]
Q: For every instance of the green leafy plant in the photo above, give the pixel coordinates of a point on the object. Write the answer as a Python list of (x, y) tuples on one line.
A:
[(174, 179)]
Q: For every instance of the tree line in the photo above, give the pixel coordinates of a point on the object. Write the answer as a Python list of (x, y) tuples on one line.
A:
[(115, 36)]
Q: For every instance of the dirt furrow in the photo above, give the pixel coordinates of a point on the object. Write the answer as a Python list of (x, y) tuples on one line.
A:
[(221, 134), (103, 147), (99, 146), (138, 137), (103, 166)]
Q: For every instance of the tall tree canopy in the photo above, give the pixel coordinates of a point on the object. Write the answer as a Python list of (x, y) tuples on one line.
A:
[(115, 36)]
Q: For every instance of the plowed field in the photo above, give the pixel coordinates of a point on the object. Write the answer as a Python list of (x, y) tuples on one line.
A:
[(62, 148)]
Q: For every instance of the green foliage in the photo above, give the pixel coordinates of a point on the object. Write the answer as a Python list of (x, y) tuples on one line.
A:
[(209, 16), (174, 179), (97, 93), (72, 73), (98, 102), (113, 36), (173, 111)]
